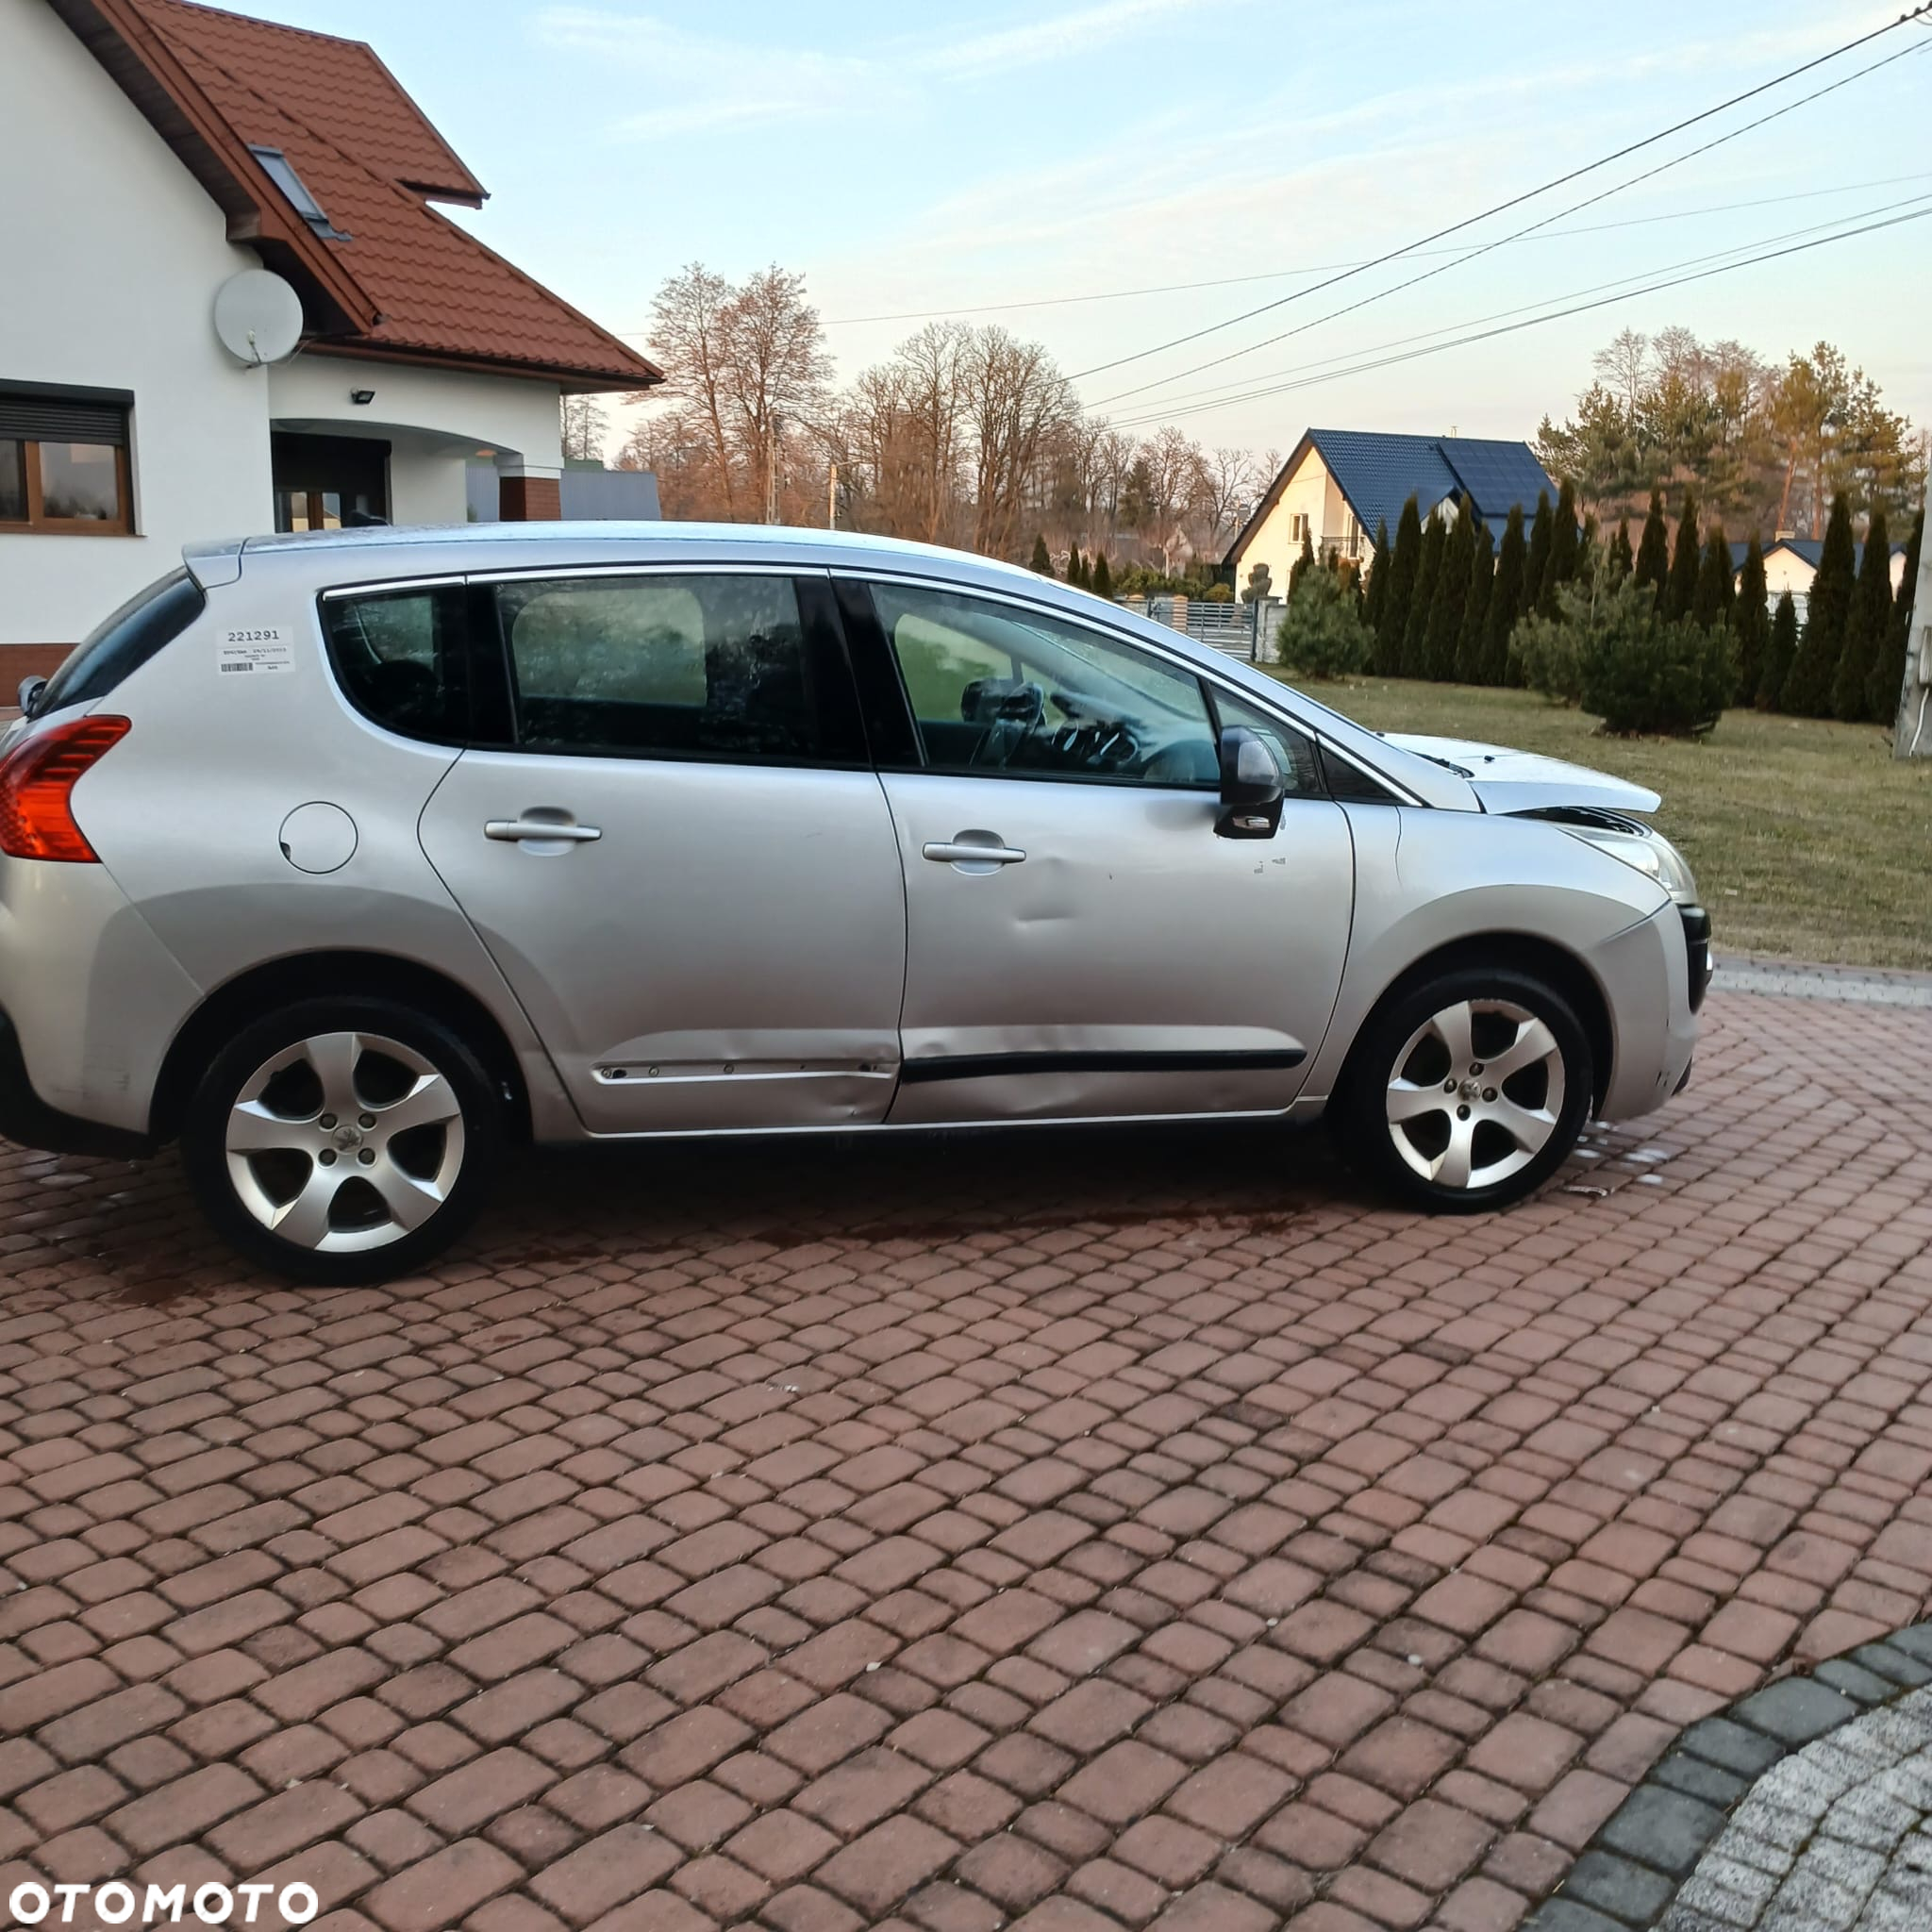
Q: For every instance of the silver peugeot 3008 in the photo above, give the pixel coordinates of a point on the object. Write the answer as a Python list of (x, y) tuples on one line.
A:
[(345, 860)]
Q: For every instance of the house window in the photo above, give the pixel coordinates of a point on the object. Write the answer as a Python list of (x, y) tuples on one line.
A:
[(1351, 536), (1298, 526), (281, 170), (63, 464)]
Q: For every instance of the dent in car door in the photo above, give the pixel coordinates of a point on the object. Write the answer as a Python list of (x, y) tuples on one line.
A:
[(682, 871), (1082, 943)]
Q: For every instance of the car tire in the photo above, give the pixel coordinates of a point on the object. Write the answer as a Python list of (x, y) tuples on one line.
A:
[(1468, 1092), (340, 1142)]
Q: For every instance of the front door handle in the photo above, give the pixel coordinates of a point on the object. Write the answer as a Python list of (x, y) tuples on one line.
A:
[(973, 851), (528, 829)]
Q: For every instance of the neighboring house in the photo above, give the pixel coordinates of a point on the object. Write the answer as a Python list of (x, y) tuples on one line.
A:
[(1792, 563), (1338, 484), (163, 148)]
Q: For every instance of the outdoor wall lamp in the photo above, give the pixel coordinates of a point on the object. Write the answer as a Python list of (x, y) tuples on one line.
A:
[(361, 397)]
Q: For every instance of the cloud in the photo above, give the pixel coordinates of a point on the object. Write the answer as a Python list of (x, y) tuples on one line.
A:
[(723, 84)]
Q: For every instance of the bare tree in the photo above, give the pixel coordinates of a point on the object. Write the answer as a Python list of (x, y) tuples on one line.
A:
[(585, 428), (1015, 398), (1229, 484), (775, 371), (690, 335), (1623, 365)]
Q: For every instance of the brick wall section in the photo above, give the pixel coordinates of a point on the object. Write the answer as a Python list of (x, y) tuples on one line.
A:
[(1081, 1534), (26, 661), (531, 500)]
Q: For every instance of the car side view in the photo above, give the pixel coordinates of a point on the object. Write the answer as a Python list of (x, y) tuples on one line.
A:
[(347, 860)]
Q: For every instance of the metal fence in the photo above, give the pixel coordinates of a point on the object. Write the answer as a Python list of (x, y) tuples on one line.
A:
[(1242, 630)]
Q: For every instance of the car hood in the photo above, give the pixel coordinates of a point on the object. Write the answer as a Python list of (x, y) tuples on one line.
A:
[(1508, 781)]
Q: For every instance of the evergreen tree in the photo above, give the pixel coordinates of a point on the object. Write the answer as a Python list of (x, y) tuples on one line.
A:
[(1751, 625), (1102, 581), (1300, 566), (1687, 559), (1040, 560), (1542, 533), (1866, 627), (1422, 606), (1404, 562), (1710, 604), (1779, 654), (1621, 560), (1653, 547), (1827, 615), (1076, 571), (1375, 592), (1506, 601), (1452, 594), (1475, 605), (1888, 669), (1566, 551)]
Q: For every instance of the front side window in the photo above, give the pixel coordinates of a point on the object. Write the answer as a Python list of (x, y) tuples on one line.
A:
[(697, 666), (1301, 771), (63, 466), (402, 658), (1000, 691)]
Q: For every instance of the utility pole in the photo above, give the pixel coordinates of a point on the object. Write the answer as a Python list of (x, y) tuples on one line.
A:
[(1913, 737), (771, 474), (832, 497)]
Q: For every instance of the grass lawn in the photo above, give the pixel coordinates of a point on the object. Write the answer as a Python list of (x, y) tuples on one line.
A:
[(1808, 839)]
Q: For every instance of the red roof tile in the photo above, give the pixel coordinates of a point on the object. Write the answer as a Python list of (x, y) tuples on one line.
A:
[(342, 86), (366, 153)]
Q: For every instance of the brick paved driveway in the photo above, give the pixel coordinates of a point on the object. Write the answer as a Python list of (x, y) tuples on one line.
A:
[(1081, 1533)]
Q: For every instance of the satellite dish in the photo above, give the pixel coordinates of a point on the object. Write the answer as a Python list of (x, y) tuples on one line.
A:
[(258, 317)]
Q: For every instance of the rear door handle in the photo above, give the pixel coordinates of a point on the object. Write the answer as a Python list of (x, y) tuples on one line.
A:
[(519, 831)]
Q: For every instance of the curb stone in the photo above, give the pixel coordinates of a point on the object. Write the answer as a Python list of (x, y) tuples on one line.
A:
[(1629, 1874)]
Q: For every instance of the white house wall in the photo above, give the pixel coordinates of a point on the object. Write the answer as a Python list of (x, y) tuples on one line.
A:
[(110, 254), (1312, 492), (434, 420)]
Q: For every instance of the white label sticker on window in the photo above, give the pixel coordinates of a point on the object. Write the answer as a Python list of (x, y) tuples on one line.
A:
[(255, 651)]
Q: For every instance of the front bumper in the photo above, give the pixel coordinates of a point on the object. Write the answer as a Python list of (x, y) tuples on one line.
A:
[(26, 1120), (1697, 951)]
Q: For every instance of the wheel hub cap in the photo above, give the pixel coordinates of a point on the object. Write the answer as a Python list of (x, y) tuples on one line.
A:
[(344, 1141), (1476, 1093)]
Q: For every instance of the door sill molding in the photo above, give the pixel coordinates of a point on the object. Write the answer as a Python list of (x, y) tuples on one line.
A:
[(999, 1066)]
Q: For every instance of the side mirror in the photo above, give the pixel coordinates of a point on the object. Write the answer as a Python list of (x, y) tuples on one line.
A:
[(1252, 787), (30, 689)]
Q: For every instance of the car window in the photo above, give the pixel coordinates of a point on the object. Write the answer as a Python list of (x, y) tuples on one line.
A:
[(999, 690), (1299, 770), (690, 666), (402, 658), (121, 644)]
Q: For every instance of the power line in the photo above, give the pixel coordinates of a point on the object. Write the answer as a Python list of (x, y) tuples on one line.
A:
[(1517, 235), (1516, 200), (1534, 320), (1223, 395), (1320, 268)]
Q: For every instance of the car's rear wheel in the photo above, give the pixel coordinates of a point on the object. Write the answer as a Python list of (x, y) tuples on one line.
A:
[(344, 1141), (1468, 1092)]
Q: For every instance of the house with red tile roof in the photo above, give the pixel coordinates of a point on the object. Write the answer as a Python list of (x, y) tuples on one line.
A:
[(230, 300)]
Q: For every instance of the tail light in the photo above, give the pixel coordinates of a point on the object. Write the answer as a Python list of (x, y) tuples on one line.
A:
[(37, 781)]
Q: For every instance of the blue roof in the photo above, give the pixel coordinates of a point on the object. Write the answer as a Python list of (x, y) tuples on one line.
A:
[(1812, 550), (1378, 471)]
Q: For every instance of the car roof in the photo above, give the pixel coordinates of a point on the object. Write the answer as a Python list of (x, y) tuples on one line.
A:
[(320, 559)]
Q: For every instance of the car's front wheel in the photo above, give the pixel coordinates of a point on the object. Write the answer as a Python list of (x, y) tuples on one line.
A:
[(343, 1141), (1468, 1092)]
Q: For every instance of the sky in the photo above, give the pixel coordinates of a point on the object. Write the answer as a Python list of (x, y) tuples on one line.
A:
[(959, 160)]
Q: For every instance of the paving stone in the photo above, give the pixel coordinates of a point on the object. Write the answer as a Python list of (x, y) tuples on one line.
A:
[(1617, 1887), (1664, 1829), (1795, 1710)]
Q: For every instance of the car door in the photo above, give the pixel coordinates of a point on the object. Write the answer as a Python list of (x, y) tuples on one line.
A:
[(683, 863), (1079, 940)]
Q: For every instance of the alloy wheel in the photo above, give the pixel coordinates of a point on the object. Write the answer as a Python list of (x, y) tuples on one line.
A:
[(344, 1141), (1475, 1094)]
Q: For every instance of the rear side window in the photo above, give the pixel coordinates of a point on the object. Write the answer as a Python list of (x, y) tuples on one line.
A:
[(700, 666), (118, 648), (402, 657)]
